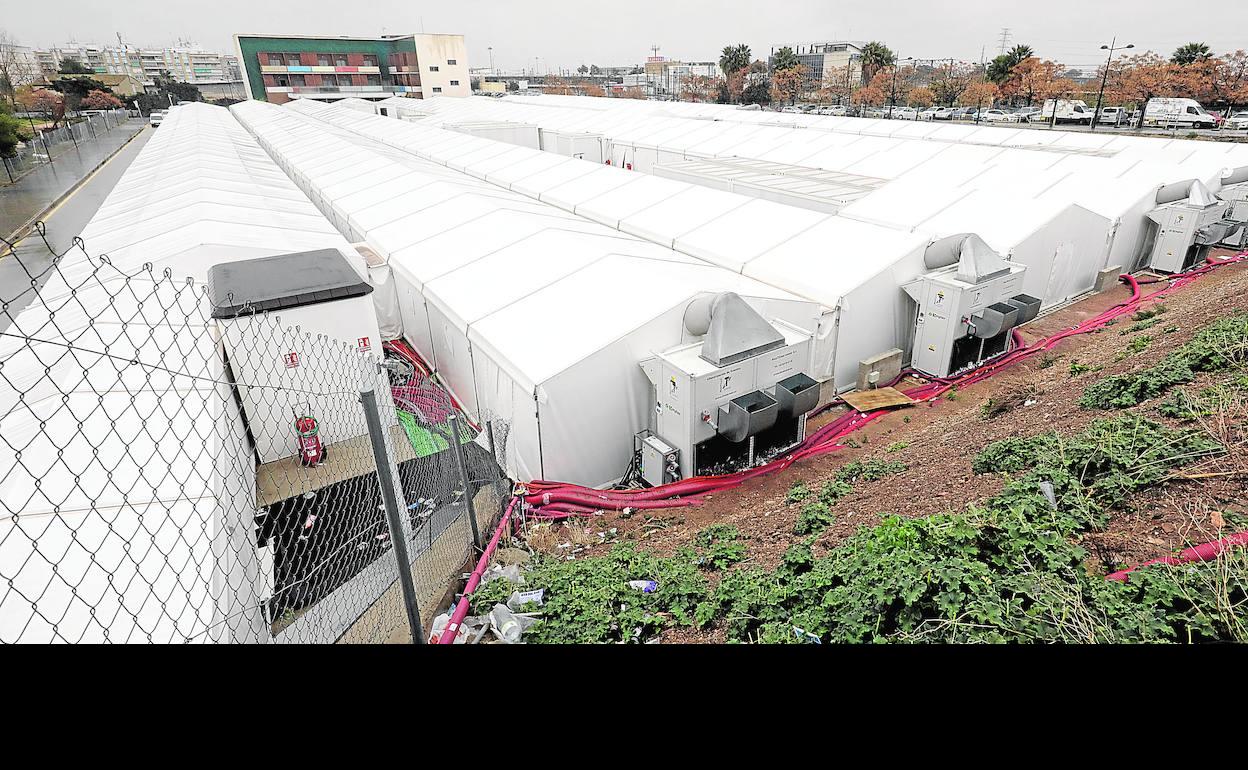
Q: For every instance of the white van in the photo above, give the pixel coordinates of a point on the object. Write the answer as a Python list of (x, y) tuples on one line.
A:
[(1177, 113), (1068, 111)]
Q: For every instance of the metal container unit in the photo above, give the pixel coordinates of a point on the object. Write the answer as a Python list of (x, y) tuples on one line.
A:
[(1189, 221), (271, 312), (738, 395)]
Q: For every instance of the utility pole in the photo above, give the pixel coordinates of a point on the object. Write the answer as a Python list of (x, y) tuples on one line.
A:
[(1096, 114), (492, 70)]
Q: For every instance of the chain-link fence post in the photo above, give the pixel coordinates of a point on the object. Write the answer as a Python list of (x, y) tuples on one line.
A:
[(453, 422), (376, 434)]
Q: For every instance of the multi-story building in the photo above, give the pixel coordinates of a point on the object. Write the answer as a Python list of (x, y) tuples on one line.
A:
[(667, 78), (186, 63), (278, 68), (18, 65), (827, 64)]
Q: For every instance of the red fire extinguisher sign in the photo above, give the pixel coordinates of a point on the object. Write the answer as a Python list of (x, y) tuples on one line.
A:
[(364, 344), (292, 360)]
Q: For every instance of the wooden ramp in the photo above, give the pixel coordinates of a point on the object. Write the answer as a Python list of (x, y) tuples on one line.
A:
[(281, 479), (880, 398)]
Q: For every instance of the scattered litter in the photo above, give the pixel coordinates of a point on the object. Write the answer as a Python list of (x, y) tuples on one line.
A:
[(1046, 487), (1030, 402), (510, 574), (520, 598), (307, 524), (507, 625), (645, 586), (806, 636)]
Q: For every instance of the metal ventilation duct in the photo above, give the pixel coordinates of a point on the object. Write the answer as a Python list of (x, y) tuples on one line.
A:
[(976, 260), (1175, 191), (734, 330), (1234, 176)]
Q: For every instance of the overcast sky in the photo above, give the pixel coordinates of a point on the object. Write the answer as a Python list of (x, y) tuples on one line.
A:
[(566, 33)]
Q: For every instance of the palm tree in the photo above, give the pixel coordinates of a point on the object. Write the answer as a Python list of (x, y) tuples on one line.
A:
[(1191, 53), (875, 57), (784, 59), (734, 58), (1020, 52)]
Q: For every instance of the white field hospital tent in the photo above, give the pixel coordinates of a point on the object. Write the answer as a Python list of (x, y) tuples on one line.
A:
[(127, 491), (536, 319), (853, 269)]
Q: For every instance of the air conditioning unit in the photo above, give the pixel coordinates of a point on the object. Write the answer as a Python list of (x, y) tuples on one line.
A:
[(1235, 193), (1189, 221), (735, 399), (967, 305)]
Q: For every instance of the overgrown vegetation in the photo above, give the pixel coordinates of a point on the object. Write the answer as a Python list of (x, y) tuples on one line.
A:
[(1219, 346), (1009, 570)]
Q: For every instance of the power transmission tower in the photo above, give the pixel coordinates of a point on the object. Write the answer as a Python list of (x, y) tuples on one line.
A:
[(1005, 39)]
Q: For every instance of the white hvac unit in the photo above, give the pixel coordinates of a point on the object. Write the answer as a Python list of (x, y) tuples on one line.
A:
[(300, 335), (574, 144), (1187, 223), (735, 399), (967, 305)]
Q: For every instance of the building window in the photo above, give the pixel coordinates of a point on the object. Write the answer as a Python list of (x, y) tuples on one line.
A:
[(374, 80), (437, 89), (322, 60), (283, 81), (370, 60), (454, 82), (297, 80), (340, 60), (275, 60), (450, 62), (433, 68), (292, 60)]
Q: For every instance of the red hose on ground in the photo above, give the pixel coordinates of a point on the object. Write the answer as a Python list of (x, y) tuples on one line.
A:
[(552, 500), (1203, 552), (461, 609)]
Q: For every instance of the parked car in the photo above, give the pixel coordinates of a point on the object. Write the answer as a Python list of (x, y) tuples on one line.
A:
[(1178, 113), (1026, 114), (793, 110), (1112, 116), (1063, 111), (998, 116), (905, 113), (1237, 122), (928, 113), (874, 112), (831, 109)]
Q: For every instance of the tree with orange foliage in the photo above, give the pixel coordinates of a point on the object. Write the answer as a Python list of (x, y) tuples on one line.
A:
[(700, 88), (632, 92), (981, 94), (46, 102), (920, 97), (1220, 82), (1148, 76), (788, 83), (876, 92), (593, 89), (1032, 79)]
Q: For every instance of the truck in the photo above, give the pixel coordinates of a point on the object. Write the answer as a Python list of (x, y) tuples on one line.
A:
[(1068, 111), (1178, 113)]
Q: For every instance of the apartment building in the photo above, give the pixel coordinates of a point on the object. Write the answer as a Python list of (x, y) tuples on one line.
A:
[(837, 63), (186, 63), (278, 68)]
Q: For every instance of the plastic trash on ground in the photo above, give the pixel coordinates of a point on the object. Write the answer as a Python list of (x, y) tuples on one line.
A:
[(645, 586), (520, 598), (511, 574), (507, 625)]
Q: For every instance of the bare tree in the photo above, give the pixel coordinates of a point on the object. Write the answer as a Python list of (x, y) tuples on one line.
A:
[(17, 66)]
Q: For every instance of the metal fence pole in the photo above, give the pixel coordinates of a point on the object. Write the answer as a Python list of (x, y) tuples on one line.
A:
[(453, 419), (368, 398), (7, 170)]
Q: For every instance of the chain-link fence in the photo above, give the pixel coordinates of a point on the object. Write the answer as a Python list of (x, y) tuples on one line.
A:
[(47, 144), (175, 469)]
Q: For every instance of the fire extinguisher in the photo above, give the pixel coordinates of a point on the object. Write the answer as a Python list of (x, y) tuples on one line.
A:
[(311, 451)]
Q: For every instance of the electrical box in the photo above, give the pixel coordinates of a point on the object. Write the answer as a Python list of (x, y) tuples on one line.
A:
[(1184, 230), (660, 463)]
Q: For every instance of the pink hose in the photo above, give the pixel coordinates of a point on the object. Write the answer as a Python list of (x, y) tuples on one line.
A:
[(1203, 552), (461, 609), (558, 500)]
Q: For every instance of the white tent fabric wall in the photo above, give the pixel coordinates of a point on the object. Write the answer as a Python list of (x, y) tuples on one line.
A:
[(532, 315), (146, 521)]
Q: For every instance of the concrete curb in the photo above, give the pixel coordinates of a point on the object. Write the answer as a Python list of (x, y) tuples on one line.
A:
[(26, 227)]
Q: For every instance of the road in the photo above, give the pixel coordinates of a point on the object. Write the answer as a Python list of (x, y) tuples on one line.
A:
[(66, 221)]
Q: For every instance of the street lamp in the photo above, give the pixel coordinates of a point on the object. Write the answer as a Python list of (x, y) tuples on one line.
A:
[(1096, 116), (893, 97)]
